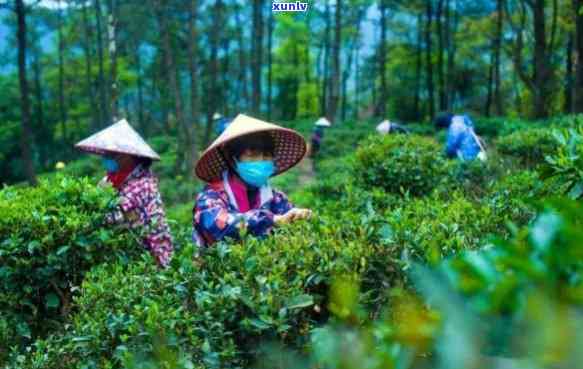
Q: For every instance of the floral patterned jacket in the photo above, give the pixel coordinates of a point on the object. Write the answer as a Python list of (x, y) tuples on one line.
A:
[(216, 215), (141, 208)]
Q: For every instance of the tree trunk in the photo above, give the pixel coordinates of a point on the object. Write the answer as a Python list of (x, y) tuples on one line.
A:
[(214, 93), (192, 154), (345, 76), (440, 58), (257, 54), (326, 71), (429, 62), (243, 97), (95, 111), (418, 66), (568, 107), (541, 61), (225, 107), (383, 93), (270, 28), (170, 63), (488, 106), (112, 42), (26, 134), (451, 52), (497, 57), (335, 90), (61, 46), (140, 81), (37, 69), (106, 119), (357, 82), (577, 5)]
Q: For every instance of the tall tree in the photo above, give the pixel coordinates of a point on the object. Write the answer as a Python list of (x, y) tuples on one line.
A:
[(243, 90), (96, 116), (326, 61), (112, 24), (497, 57), (382, 55), (26, 122), (213, 85), (578, 11), (440, 54), (192, 62), (270, 28), (173, 82), (568, 107), (61, 88), (335, 80), (428, 57), (418, 65), (257, 56), (100, 59), (540, 80)]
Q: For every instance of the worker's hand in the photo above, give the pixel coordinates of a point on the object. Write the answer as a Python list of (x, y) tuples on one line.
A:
[(104, 183), (292, 215), (299, 214), (283, 219)]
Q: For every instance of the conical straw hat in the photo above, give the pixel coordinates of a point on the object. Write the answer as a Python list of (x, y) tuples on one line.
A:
[(217, 116), (323, 122), (118, 138), (290, 147), (384, 126)]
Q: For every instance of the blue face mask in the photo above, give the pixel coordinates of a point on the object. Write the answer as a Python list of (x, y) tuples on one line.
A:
[(255, 173), (110, 165)]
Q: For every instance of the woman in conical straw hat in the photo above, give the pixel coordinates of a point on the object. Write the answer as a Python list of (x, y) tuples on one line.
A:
[(126, 158), (237, 167), (318, 135)]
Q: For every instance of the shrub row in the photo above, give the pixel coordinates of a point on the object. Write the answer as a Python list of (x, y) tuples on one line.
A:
[(51, 236)]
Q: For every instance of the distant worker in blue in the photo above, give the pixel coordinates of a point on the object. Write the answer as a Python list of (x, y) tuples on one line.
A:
[(318, 135), (221, 123), (462, 141)]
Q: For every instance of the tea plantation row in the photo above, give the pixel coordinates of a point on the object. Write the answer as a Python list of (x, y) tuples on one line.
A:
[(80, 295)]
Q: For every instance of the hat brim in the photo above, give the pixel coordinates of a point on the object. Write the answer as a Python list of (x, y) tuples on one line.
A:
[(289, 149), (98, 151)]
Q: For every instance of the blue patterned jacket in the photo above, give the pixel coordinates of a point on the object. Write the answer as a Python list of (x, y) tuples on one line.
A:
[(216, 215)]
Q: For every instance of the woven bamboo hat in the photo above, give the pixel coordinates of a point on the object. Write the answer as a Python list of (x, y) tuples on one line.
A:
[(289, 147), (323, 122), (119, 138)]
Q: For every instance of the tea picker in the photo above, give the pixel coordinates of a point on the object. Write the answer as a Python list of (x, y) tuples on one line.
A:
[(462, 141), (237, 168), (127, 158), (318, 135), (387, 127)]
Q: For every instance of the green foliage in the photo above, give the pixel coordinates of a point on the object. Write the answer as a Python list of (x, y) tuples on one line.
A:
[(51, 236), (567, 164), (218, 308), (529, 146), (399, 164), (520, 299)]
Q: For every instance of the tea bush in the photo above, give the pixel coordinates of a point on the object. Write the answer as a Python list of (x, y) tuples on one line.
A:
[(520, 299), (394, 203), (567, 164), (529, 146), (51, 236), (219, 308), (399, 164)]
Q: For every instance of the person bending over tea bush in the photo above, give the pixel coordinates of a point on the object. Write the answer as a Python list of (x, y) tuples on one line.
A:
[(127, 159), (462, 141), (237, 167)]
